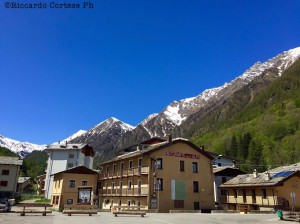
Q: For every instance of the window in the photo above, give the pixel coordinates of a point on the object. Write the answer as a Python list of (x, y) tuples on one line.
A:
[(84, 183), (129, 184), (71, 156), (121, 166), (3, 183), (195, 186), (159, 164), (113, 185), (159, 184), (223, 192), (114, 167), (181, 165), (72, 184), (178, 203), (70, 165), (107, 169), (128, 203), (195, 167), (5, 172), (140, 162), (130, 164), (69, 201), (121, 185)]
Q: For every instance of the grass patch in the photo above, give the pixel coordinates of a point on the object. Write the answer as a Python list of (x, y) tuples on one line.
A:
[(44, 201)]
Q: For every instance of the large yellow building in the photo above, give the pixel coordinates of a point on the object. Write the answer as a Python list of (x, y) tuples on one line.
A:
[(77, 185), (275, 189), (160, 175)]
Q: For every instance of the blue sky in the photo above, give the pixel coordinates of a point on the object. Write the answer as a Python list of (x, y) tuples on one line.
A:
[(68, 69)]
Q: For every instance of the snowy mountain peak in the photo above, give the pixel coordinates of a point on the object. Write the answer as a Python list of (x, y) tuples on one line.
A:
[(145, 121), (73, 136), (21, 148)]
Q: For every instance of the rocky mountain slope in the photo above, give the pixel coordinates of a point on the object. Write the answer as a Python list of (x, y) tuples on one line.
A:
[(178, 117)]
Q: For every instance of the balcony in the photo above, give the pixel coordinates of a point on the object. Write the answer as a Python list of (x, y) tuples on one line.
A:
[(139, 191), (269, 201), (137, 171)]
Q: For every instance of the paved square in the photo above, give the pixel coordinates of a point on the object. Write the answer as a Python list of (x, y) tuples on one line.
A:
[(153, 218)]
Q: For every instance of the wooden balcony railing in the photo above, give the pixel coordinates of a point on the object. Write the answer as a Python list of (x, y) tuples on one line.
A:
[(140, 191), (258, 200), (137, 171)]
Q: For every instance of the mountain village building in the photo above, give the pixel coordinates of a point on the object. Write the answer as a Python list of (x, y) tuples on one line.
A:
[(221, 175), (77, 185), (275, 189), (66, 156), (9, 172), (159, 175)]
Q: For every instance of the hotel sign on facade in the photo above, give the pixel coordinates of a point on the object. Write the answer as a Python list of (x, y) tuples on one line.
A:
[(183, 155)]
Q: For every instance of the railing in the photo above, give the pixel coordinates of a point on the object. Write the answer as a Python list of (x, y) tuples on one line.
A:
[(139, 191), (258, 200), (137, 171)]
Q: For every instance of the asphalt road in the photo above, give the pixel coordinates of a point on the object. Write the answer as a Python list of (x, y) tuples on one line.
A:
[(157, 218)]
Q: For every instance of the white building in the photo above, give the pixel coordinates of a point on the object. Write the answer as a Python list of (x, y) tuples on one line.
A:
[(65, 156)]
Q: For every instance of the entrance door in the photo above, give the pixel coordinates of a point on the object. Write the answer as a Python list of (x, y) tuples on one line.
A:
[(196, 205)]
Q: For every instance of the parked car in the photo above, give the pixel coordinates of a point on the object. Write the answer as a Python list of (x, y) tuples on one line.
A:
[(5, 205)]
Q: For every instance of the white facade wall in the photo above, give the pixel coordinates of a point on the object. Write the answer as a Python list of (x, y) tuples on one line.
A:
[(58, 161), (12, 178), (221, 161)]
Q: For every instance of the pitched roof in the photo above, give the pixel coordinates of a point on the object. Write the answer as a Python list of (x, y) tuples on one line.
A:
[(158, 146), (276, 177), (85, 148), (78, 170), (66, 146), (6, 160), (227, 171), (23, 179)]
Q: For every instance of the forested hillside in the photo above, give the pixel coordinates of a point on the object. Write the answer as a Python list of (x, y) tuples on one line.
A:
[(6, 152), (259, 125)]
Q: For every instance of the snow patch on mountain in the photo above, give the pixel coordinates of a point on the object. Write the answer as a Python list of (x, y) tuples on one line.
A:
[(151, 116), (21, 148), (75, 135)]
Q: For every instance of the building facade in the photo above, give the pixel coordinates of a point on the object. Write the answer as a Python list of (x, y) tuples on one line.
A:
[(163, 176), (66, 156), (221, 175), (275, 189), (9, 172), (77, 185)]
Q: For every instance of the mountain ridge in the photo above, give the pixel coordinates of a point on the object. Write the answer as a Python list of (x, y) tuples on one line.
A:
[(111, 135)]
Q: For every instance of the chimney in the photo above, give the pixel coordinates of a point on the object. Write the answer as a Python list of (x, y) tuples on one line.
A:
[(233, 163), (255, 173), (169, 138), (268, 176), (201, 147)]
